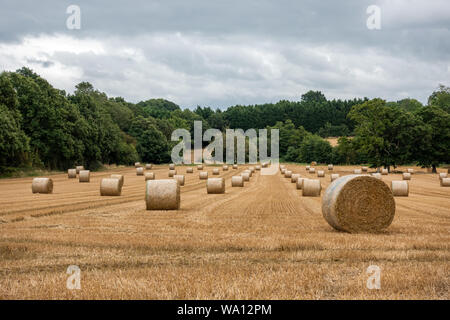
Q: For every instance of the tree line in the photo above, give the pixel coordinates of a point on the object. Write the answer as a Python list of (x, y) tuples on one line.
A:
[(41, 126)]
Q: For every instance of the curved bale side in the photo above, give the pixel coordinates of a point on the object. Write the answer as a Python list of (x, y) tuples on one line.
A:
[(79, 168), (150, 176), (215, 185), (172, 172), (356, 203), (120, 177), (406, 176), (445, 182), (215, 172), (294, 177), (203, 175), (179, 178), (139, 171), (42, 185), (299, 183), (245, 176), (320, 173), (334, 176), (84, 176), (311, 188), (110, 187), (72, 173), (237, 181), (189, 170), (162, 194), (400, 188)]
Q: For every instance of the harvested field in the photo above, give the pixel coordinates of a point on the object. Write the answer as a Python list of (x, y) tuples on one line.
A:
[(262, 241)]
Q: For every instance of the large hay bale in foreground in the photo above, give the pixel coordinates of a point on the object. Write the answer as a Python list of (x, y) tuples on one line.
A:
[(189, 170), (406, 176), (442, 175), (171, 166), (148, 166), (215, 172), (288, 174), (110, 187), (162, 194), (179, 178), (137, 164), (150, 176), (172, 173), (200, 167), (42, 185), (237, 181), (357, 171), (84, 176), (225, 168), (79, 168), (245, 176), (120, 177), (400, 188), (299, 184), (311, 188), (330, 167), (445, 182), (384, 172), (357, 203), (72, 173), (320, 173), (312, 170), (334, 176), (203, 175), (139, 171), (294, 177), (215, 185), (235, 166)]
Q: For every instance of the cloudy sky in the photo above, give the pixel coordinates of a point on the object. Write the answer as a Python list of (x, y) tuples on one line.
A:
[(223, 52)]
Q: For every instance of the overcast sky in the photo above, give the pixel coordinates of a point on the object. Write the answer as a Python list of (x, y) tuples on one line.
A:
[(221, 53)]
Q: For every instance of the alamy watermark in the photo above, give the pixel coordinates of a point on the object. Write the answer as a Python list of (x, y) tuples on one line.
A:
[(73, 22), (374, 280), (74, 280), (374, 20)]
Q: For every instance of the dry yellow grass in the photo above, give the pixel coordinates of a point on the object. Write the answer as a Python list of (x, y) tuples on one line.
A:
[(263, 241)]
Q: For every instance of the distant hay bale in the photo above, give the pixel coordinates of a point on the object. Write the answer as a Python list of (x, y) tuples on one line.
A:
[(171, 166), (150, 176), (357, 171), (120, 177), (200, 167), (312, 170), (313, 163), (288, 174), (308, 167), (148, 166), (330, 167), (139, 171), (225, 168), (79, 168), (400, 188), (235, 166), (42, 185), (245, 176), (409, 170), (358, 203), (110, 187), (265, 164), (282, 166), (72, 173), (237, 181), (406, 176), (334, 176), (320, 173), (445, 182), (252, 169), (299, 183), (203, 175), (384, 172), (311, 188), (137, 164), (215, 185), (249, 172), (215, 171), (189, 170), (258, 168), (376, 175), (179, 178), (162, 194), (283, 171), (364, 169), (294, 177), (172, 172), (443, 175), (84, 176)]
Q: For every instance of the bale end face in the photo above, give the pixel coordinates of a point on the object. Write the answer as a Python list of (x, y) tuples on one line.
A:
[(215, 185), (400, 188), (162, 195)]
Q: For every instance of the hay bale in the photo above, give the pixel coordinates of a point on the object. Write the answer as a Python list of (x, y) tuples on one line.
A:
[(311, 188), (384, 172), (308, 167), (294, 177), (137, 164), (442, 175), (72, 173), (299, 183), (84, 176), (225, 168), (162, 194), (79, 168), (150, 176), (283, 171), (203, 175), (313, 163), (288, 174), (400, 188), (237, 181), (235, 166), (258, 168), (172, 172), (42, 185), (171, 166), (364, 169), (445, 182), (249, 172), (406, 176), (139, 171), (189, 170), (377, 175), (357, 203), (148, 166), (357, 171), (215, 185), (312, 170), (215, 172), (110, 187), (282, 166), (265, 164), (200, 167), (330, 167), (334, 176), (179, 178), (252, 169), (120, 177), (320, 173), (410, 170), (245, 176)]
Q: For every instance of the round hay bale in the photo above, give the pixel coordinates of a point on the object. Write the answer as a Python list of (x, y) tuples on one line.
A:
[(299, 183), (110, 187), (203, 175), (406, 176), (364, 169), (237, 181), (139, 171), (445, 182), (357, 171), (150, 176), (172, 172), (409, 170), (252, 169), (137, 164), (72, 173), (313, 163), (311, 188), (148, 166), (356, 203), (120, 177), (283, 171), (258, 168), (282, 166), (308, 167), (288, 174), (312, 170), (250, 173), (200, 167), (162, 194), (320, 173), (245, 176), (171, 166), (400, 188), (265, 164), (377, 175), (179, 178), (442, 175), (84, 176), (189, 170), (215, 171), (79, 168), (215, 185), (384, 172), (225, 168), (334, 176), (42, 185), (294, 177), (235, 166), (330, 167)]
